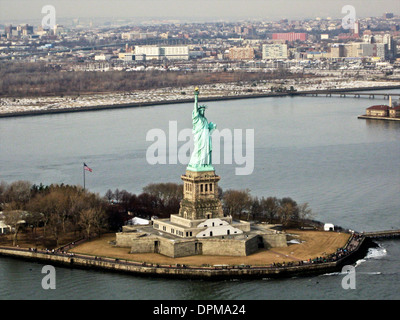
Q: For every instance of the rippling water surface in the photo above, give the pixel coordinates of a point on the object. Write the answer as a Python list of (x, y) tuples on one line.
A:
[(314, 150)]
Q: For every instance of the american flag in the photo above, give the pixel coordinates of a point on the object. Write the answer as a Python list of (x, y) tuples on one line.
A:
[(86, 167)]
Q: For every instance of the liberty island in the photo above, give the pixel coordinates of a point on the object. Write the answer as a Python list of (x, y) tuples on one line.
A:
[(200, 227), (155, 263)]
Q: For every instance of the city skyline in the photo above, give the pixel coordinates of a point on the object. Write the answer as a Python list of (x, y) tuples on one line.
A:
[(13, 10)]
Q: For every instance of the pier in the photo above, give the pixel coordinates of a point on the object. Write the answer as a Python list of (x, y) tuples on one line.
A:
[(386, 234), (369, 95)]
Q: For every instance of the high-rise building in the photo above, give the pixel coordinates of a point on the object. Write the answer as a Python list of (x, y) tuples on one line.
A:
[(391, 46), (388, 15), (386, 39), (8, 30), (381, 50), (18, 31), (356, 29), (59, 30), (290, 36), (274, 51), (359, 49), (337, 51)]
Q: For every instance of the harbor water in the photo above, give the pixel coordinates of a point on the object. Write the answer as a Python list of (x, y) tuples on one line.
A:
[(312, 149)]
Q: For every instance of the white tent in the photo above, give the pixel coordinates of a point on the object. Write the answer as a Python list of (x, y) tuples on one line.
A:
[(3, 227), (138, 221), (329, 227)]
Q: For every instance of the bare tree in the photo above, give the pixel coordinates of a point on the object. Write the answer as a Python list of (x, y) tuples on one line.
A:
[(270, 207), (305, 213), (18, 192), (117, 195), (109, 195), (256, 209), (92, 220), (13, 218), (166, 192), (3, 188), (286, 212), (34, 219), (55, 226), (236, 201)]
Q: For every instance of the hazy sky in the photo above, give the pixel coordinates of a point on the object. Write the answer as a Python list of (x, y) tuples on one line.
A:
[(196, 10)]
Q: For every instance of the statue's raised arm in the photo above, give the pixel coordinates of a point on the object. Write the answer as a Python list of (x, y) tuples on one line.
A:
[(196, 103)]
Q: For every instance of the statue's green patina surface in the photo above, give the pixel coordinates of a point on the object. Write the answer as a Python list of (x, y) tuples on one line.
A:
[(202, 129)]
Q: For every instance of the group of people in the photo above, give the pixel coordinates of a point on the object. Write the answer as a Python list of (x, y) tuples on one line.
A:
[(52, 251)]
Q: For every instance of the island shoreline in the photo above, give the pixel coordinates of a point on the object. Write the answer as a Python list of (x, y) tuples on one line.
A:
[(242, 272)]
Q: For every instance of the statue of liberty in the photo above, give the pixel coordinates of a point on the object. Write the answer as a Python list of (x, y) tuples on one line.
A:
[(202, 129)]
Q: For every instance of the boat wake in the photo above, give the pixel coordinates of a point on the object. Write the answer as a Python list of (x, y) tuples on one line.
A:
[(373, 253)]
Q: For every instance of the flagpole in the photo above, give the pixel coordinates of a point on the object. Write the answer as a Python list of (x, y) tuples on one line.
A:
[(84, 186)]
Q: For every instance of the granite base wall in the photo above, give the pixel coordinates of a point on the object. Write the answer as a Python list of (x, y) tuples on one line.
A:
[(142, 243), (184, 248), (274, 240), (143, 246)]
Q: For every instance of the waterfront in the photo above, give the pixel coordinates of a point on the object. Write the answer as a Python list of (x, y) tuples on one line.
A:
[(377, 278), (312, 149), (11, 107)]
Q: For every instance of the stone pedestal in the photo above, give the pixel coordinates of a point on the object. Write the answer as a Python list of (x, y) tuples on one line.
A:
[(200, 196)]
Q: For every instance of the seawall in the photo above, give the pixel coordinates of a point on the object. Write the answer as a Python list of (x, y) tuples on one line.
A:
[(191, 272)]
